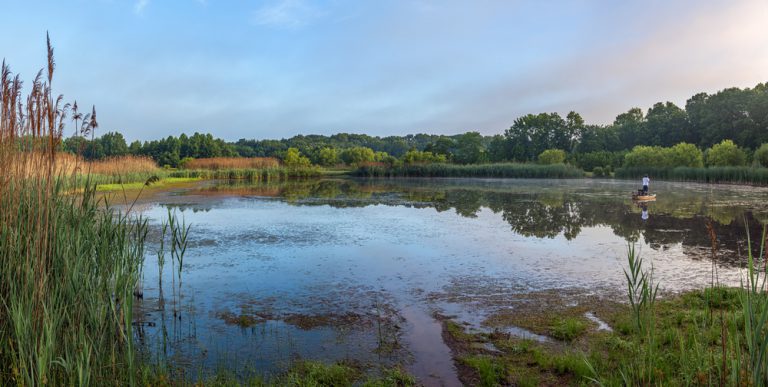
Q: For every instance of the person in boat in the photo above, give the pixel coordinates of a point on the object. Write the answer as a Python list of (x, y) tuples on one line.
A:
[(646, 182)]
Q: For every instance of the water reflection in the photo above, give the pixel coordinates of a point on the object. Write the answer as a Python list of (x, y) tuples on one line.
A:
[(547, 209)]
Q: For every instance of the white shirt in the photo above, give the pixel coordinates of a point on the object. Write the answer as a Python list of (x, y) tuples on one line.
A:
[(646, 181)]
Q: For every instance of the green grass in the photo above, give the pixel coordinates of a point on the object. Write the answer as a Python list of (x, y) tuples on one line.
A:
[(505, 170), (163, 182), (490, 371), (568, 328)]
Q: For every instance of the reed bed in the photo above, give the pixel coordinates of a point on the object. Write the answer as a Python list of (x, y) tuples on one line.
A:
[(232, 163), (68, 265), (252, 174), (505, 170), (737, 175)]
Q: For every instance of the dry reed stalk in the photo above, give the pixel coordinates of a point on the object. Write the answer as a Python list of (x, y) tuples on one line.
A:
[(216, 163)]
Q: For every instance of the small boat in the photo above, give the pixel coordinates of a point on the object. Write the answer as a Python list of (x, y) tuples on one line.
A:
[(643, 198)]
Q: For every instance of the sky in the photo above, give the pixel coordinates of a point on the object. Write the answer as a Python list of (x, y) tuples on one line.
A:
[(277, 68)]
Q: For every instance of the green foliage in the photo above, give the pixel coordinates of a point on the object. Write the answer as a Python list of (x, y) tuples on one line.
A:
[(469, 149), (511, 170), (66, 315), (328, 157), (568, 328), (680, 155), (761, 156), (552, 156), (685, 155), (599, 172), (416, 157), (726, 154), (294, 159), (358, 155), (742, 175), (605, 159), (533, 133), (491, 373)]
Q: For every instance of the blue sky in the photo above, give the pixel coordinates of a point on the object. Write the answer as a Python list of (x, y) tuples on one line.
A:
[(276, 68)]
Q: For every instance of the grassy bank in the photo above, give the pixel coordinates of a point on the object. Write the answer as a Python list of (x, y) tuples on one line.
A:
[(509, 170), (714, 336), (736, 175), (252, 174)]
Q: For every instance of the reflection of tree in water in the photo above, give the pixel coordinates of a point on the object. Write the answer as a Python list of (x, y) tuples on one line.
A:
[(547, 212)]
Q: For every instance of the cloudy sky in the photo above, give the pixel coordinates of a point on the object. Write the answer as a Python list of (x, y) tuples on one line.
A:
[(276, 68)]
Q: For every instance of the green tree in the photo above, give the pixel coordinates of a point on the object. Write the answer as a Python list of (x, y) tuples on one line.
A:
[(294, 159), (422, 157), (552, 156), (469, 149), (631, 128), (357, 155), (328, 157), (667, 124), (113, 144), (725, 154), (533, 133), (498, 149), (761, 155), (685, 155), (647, 156)]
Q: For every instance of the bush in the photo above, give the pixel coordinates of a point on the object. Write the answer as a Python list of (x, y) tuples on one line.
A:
[(552, 156), (685, 155), (761, 156), (646, 156), (598, 172), (588, 161), (415, 156), (726, 154), (294, 159)]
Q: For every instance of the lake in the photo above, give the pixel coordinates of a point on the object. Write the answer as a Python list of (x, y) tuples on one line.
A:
[(362, 271)]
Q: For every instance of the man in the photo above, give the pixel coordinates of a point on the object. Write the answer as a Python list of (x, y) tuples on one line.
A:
[(646, 181)]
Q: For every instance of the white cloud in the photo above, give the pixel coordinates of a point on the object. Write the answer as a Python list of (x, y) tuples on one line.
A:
[(139, 6), (286, 14)]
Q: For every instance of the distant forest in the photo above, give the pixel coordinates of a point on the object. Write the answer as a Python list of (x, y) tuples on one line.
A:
[(740, 115)]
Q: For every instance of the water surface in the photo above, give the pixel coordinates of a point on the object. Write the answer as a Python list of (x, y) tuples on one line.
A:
[(355, 270)]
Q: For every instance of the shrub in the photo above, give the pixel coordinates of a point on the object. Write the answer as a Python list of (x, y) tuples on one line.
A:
[(647, 156), (294, 159), (415, 156), (357, 155), (761, 156), (726, 154), (552, 156), (598, 172), (685, 155), (588, 161)]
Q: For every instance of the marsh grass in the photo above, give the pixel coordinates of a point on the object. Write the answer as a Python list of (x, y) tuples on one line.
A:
[(217, 163), (736, 175), (508, 170), (251, 174), (69, 264)]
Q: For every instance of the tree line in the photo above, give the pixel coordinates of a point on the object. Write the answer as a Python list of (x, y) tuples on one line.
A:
[(737, 115)]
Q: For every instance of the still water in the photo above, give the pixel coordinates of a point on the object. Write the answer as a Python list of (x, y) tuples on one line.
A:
[(355, 270)]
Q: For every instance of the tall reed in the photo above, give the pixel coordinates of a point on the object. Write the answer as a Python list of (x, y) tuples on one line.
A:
[(738, 175), (68, 265), (510, 170)]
